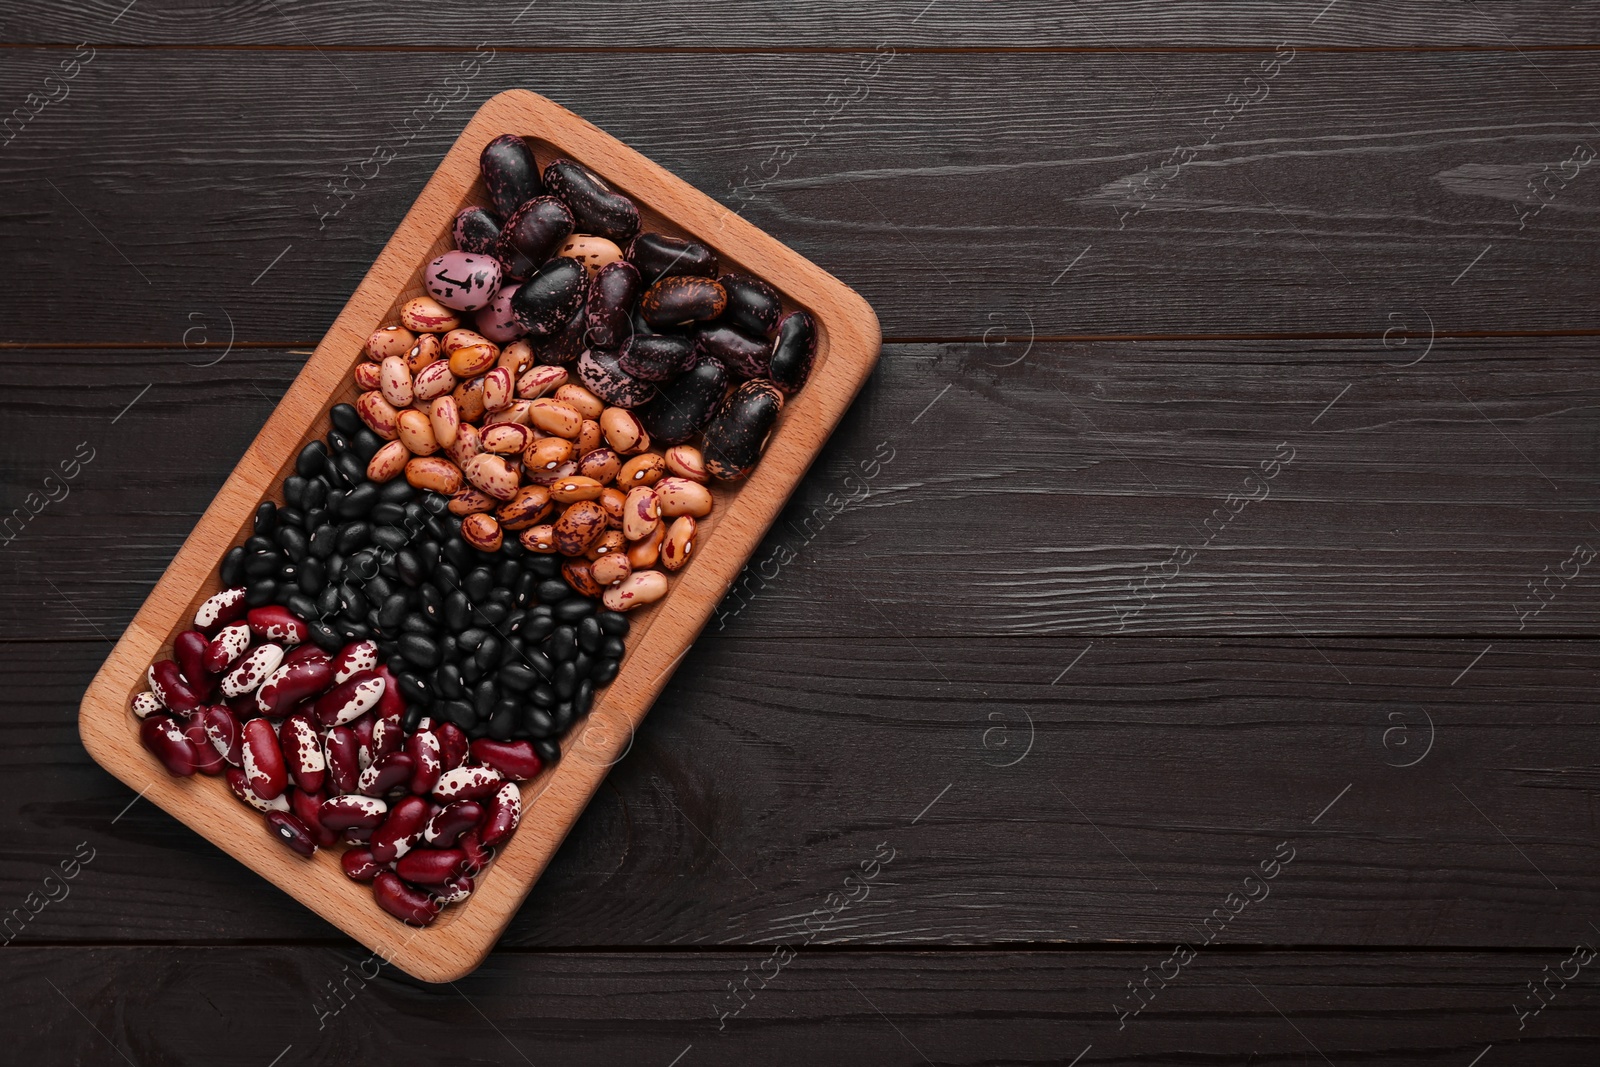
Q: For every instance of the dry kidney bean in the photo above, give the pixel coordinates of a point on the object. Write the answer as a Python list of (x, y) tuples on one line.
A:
[(261, 758), (307, 807), (451, 821), (678, 544), (389, 341), (638, 589), (171, 689), (354, 658), (685, 405), (409, 905), (431, 866), (738, 432), (353, 811), (291, 831), (657, 357), (292, 684), (550, 297), (475, 230), (349, 700), (359, 866), (793, 352), (602, 373), (167, 743), (532, 234), (745, 356), (596, 207), (342, 752), (514, 759), (221, 608), (509, 172), (681, 299), (144, 704), (685, 461), (465, 783), (593, 252), (238, 784), (608, 309), (231, 642), (252, 669), (658, 256), (224, 733), (385, 774), (189, 649), (423, 314), (503, 815), (302, 753), (401, 831), (427, 760)]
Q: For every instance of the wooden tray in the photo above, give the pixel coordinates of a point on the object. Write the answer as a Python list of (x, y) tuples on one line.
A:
[(848, 340)]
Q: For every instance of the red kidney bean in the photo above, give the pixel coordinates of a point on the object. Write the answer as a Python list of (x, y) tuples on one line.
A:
[(278, 624), (467, 783), (391, 702), (231, 642), (505, 812), (291, 831), (262, 760), (241, 788), (206, 759), (144, 704), (363, 731), (223, 732), (431, 866), (359, 866), (302, 753), (305, 653), (168, 744), (451, 821), (383, 775), (348, 701), (514, 759), (168, 685), (353, 812), (456, 890), (402, 901), (353, 659), (387, 736), (402, 830), (252, 669), (452, 745), (221, 608), (189, 649), (423, 748), (342, 751), (291, 684), (307, 807), (478, 856), (357, 835)]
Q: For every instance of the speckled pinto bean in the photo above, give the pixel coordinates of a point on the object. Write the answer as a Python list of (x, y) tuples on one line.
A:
[(423, 355), (468, 443), (433, 381), (368, 376), (490, 474), (578, 526), (388, 462), (635, 591), (506, 438), (540, 381), (432, 472), (610, 569), (579, 575), (482, 532), (416, 432), (424, 314), (394, 381), (389, 341), (498, 389), (680, 496), (685, 461), (555, 418), (471, 502), (378, 414), (530, 504), (641, 512), (679, 543)]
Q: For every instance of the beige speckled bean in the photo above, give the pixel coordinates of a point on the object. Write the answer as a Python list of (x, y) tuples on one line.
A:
[(611, 569), (614, 501), (497, 389), (368, 376), (424, 314), (395, 381), (646, 551), (470, 361), (573, 488), (579, 526), (445, 418), (425, 353), (685, 461), (416, 432), (389, 341), (388, 462), (580, 400), (531, 504), (516, 357), (540, 539), (471, 502), (434, 472), (641, 513), (468, 443), (607, 544), (506, 438), (490, 473), (678, 544), (602, 465), (680, 496), (540, 381), (554, 417), (469, 399), (589, 437), (644, 469), (636, 590), (516, 412), (482, 532), (622, 428), (547, 453), (433, 381), (378, 414)]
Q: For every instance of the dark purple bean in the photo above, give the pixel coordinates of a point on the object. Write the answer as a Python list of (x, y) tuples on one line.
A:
[(564, 347), (738, 432), (596, 207), (613, 291), (550, 297), (753, 305), (509, 172), (685, 405), (745, 356), (793, 351), (605, 378), (532, 235), (657, 358), (476, 230), (682, 299), (658, 256)]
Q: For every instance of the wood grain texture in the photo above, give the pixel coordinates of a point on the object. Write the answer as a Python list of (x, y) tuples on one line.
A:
[(1029, 790), (1018, 490), (953, 191), (705, 25), (847, 348), (204, 1004)]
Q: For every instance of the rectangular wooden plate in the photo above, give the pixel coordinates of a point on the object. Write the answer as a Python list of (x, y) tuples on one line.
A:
[(847, 349)]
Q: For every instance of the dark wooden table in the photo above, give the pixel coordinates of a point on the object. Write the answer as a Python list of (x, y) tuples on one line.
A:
[(1186, 651)]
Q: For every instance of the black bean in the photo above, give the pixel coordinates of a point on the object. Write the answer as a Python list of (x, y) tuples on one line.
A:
[(502, 722), (393, 612), (337, 441), (583, 663), (589, 634), (484, 695), (294, 489), (313, 576), (613, 622), (266, 515), (260, 591), (460, 554), (457, 612), (605, 671), (583, 699), (478, 583), (260, 544), (507, 573), (566, 680), (554, 591), (262, 564), (574, 609), (447, 680), (411, 719), (488, 655), (398, 491), (233, 566), (512, 549), (293, 542), (353, 629), (564, 714), (301, 605), (335, 565), (430, 603), (325, 636), (419, 649), (328, 601), (414, 687), (409, 567), (335, 498), (428, 554), (562, 645), (460, 713), (611, 648), (352, 536), (542, 696), (494, 614), (439, 530), (517, 677), (287, 571), (538, 722), (477, 730), (345, 418), (416, 623), (470, 672), (526, 589), (543, 566), (548, 750), (387, 514), (311, 460), (316, 495), (324, 540), (358, 501), (352, 599), (365, 444), (536, 627), (379, 589), (316, 517)]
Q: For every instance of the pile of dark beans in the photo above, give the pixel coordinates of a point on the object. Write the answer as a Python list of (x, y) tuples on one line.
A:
[(496, 643)]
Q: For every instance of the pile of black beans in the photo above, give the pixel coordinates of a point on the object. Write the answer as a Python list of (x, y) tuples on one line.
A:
[(495, 642)]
